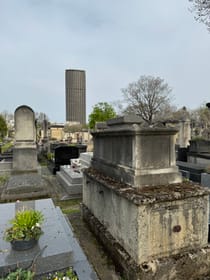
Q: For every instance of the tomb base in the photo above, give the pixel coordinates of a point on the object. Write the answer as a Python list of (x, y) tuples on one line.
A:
[(24, 158), (193, 265), (29, 185), (150, 231)]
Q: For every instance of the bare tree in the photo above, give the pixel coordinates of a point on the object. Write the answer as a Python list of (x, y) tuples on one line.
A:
[(200, 120), (146, 97), (202, 10)]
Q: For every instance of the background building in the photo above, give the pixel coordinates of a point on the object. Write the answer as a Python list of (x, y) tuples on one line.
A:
[(75, 96)]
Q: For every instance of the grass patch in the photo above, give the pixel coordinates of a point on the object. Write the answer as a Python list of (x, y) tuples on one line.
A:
[(70, 206), (6, 146), (3, 179), (70, 211)]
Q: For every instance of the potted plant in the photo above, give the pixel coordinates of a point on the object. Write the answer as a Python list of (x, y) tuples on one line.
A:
[(25, 230)]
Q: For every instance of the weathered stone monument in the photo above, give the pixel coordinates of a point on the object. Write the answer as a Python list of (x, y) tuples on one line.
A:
[(26, 180), (135, 201), (25, 150)]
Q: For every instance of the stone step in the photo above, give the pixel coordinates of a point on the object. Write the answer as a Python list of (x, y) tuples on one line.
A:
[(74, 177), (70, 188)]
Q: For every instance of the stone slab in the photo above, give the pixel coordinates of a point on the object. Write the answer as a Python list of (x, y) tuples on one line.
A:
[(85, 159), (205, 180), (57, 248), (25, 185), (74, 176), (72, 189), (128, 119)]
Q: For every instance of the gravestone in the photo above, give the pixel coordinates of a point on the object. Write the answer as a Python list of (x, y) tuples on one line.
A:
[(63, 155), (26, 181), (25, 150)]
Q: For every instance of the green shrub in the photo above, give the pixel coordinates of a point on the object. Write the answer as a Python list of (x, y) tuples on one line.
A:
[(19, 274)]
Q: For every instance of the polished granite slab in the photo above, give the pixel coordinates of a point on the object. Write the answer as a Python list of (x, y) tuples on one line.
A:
[(57, 248)]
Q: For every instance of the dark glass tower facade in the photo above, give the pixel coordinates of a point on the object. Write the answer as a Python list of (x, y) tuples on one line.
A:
[(75, 82)]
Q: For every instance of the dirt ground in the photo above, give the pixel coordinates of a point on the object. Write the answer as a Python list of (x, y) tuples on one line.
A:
[(94, 251)]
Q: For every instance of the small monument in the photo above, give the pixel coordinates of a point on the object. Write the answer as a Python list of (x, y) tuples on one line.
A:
[(25, 150), (134, 200), (26, 181)]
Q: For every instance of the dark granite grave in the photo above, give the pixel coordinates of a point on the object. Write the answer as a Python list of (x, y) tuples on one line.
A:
[(57, 248), (192, 171), (63, 155)]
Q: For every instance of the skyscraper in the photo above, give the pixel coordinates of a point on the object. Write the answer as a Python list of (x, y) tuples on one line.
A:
[(75, 96)]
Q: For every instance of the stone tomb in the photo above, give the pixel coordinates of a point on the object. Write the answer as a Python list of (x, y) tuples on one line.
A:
[(135, 202), (57, 248)]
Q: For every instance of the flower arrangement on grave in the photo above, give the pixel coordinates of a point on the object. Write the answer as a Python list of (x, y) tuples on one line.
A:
[(25, 230)]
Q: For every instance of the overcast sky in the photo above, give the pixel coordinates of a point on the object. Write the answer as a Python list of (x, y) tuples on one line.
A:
[(114, 41)]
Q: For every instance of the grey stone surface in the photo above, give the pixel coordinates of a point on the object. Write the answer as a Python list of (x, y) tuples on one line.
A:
[(25, 185), (24, 158), (205, 179), (25, 129), (125, 120), (24, 151), (5, 167), (100, 125), (56, 249), (144, 221), (71, 180), (85, 159), (139, 156)]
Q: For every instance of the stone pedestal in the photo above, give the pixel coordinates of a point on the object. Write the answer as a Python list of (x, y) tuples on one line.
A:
[(25, 158), (134, 154)]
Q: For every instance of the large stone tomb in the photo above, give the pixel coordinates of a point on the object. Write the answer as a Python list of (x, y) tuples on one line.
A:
[(136, 203), (57, 248)]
